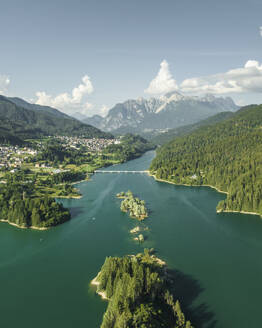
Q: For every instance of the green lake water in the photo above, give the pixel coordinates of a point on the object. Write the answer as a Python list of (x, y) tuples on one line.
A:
[(45, 275)]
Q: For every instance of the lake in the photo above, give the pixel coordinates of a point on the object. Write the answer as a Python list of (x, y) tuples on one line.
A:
[(45, 275)]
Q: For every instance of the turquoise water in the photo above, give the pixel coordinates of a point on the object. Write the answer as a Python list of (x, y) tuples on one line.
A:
[(45, 275)]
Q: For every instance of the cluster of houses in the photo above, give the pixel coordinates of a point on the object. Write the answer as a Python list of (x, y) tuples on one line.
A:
[(51, 169), (93, 144), (14, 156)]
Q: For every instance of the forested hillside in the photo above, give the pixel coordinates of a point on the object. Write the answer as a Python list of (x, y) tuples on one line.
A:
[(227, 155), (138, 290), (22, 103), (17, 122), (131, 146), (162, 138)]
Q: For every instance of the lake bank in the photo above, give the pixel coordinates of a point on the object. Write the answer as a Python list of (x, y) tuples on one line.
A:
[(187, 185), (96, 283), (22, 227), (241, 212), (216, 258), (210, 186)]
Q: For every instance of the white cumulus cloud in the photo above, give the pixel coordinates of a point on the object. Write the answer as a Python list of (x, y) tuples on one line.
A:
[(4, 83), (69, 102), (103, 110), (239, 80), (260, 30), (163, 82)]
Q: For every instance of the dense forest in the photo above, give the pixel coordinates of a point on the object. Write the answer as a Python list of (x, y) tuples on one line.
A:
[(7, 133), (55, 152), (227, 155), (131, 146), (67, 176), (139, 292), (19, 206), (162, 138), (19, 123)]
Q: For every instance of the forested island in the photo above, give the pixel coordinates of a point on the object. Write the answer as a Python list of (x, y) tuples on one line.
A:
[(18, 206), (227, 156), (135, 206), (140, 294)]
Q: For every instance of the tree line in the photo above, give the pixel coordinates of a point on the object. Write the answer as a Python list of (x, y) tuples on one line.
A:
[(131, 146), (19, 206), (139, 294), (227, 155)]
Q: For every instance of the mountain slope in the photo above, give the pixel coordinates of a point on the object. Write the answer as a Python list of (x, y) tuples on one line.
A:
[(22, 103), (162, 138), (170, 111), (95, 120), (79, 116), (227, 155), (21, 123)]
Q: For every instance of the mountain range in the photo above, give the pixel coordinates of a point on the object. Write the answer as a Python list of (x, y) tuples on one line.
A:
[(21, 120), (170, 111)]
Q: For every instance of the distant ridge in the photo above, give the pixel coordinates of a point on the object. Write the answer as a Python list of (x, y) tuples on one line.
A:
[(164, 137), (167, 112), (18, 122), (79, 116), (22, 103)]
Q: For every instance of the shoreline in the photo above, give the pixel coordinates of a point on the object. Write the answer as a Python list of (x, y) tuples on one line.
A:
[(241, 212), (213, 187), (68, 197), (92, 173), (21, 227), (187, 185), (75, 196), (73, 183), (96, 283)]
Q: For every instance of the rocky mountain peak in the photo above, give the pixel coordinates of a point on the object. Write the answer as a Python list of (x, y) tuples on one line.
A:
[(169, 111)]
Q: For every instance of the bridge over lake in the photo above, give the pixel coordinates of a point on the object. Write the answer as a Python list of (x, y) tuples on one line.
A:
[(107, 171)]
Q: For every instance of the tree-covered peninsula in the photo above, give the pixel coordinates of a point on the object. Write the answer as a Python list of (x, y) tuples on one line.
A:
[(139, 291), (227, 156), (19, 206), (135, 206)]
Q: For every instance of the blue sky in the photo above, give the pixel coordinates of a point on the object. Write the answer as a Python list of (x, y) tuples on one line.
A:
[(108, 51)]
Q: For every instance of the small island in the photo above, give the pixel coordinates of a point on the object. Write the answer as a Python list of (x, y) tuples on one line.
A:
[(135, 206), (137, 232), (140, 238), (138, 229), (139, 289)]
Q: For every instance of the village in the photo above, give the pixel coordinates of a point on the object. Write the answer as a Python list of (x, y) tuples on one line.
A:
[(13, 157), (94, 144)]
